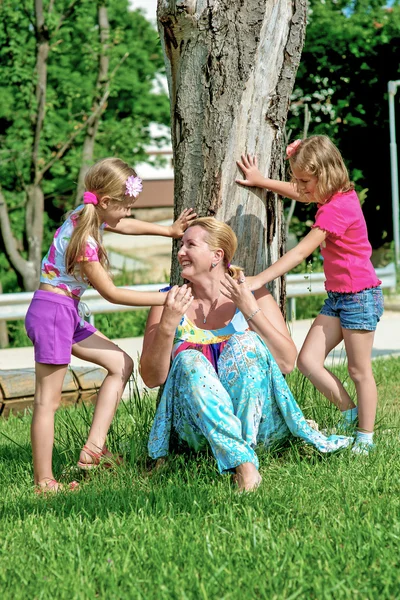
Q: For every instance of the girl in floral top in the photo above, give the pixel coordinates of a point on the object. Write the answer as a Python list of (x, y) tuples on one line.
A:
[(54, 321), (355, 303)]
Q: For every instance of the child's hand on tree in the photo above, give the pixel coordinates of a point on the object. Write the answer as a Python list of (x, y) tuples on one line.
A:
[(249, 167)]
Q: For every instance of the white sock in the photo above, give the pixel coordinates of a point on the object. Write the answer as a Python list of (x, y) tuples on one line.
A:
[(366, 439)]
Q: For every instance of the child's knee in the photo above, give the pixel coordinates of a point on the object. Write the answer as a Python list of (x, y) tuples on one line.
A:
[(122, 366), (303, 364), (358, 375), (306, 363), (47, 403), (128, 366)]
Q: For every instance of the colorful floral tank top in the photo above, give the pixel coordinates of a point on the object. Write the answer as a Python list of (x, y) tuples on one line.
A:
[(210, 342), (53, 269)]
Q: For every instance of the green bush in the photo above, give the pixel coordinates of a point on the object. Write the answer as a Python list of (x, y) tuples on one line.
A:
[(122, 324)]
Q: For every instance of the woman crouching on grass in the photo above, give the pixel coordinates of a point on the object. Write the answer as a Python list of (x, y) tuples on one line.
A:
[(221, 360)]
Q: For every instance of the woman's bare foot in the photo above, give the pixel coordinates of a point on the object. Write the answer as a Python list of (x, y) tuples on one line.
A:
[(247, 477)]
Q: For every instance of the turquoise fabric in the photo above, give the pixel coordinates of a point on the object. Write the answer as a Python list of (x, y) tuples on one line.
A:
[(247, 403)]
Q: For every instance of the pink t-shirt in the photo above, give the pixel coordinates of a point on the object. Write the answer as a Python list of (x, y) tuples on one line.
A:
[(346, 250)]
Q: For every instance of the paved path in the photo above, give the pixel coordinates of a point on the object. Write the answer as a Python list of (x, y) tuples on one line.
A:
[(387, 342)]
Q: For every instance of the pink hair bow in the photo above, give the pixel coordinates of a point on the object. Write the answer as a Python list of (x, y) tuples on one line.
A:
[(90, 198), (292, 148)]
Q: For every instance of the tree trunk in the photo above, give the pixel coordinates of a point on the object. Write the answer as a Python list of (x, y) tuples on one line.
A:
[(231, 67)]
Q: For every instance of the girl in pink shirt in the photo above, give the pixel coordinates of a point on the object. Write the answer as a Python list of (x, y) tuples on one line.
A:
[(355, 302)]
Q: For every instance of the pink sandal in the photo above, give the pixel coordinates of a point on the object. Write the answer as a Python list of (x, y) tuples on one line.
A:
[(53, 487), (99, 459)]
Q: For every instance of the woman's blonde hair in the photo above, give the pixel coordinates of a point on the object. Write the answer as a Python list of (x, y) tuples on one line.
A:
[(220, 235), (318, 156), (105, 178)]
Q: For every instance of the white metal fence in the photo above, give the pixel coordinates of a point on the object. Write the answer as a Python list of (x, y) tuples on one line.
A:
[(14, 306)]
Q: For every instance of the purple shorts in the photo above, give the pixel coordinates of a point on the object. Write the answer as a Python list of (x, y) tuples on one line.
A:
[(53, 325)]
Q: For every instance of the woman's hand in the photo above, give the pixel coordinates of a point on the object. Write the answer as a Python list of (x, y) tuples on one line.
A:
[(179, 227), (238, 291), (176, 304), (249, 166)]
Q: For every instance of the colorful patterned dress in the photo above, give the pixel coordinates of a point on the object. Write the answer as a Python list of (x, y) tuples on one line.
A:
[(225, 389)]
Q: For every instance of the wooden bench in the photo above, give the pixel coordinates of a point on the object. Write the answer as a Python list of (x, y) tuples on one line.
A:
[(17, 388)]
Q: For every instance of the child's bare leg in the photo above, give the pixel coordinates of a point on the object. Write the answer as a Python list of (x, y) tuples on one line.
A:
[(358, 348), (101, 351), (324, 335), (49, 382)]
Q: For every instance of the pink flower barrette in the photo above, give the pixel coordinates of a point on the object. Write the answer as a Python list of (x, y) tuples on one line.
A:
[(133, 186), (90, 198), (292, 148)]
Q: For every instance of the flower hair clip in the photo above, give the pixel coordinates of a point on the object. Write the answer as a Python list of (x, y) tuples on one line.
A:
[(133, 186), (292, 148)]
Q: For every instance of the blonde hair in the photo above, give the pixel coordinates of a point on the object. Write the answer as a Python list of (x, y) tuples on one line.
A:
[(318, 156), (107, 177), (220, 235)]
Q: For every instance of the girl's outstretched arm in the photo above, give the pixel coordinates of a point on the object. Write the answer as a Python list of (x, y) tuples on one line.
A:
[(135, 227), (101, 281), (253, 178), (289, 260)]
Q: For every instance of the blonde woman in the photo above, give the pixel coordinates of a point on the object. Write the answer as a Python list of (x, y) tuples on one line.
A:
[(224, 386)]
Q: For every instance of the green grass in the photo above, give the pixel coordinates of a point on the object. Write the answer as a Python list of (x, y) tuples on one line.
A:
[(319, 527)]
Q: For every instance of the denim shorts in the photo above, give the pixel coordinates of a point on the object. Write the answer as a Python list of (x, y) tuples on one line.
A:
[(359, 310)]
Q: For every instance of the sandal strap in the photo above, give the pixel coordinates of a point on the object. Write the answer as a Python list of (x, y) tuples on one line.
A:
[(95, 455), (48, 486), (51, 484)]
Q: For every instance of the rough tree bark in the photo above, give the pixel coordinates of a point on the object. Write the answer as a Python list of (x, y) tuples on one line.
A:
[(231, 66)]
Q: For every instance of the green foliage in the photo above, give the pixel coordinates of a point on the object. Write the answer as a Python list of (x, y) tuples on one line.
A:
[(71, 91), (352, 50), (122, 324), (319, 527)]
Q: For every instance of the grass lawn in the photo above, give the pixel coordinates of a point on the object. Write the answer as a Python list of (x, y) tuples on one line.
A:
[(319, 526)]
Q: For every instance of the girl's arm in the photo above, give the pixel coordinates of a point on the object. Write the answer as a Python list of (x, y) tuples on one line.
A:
[(135, 227), (253, 178), (155, 361), (101, 281), (267, 321), (289, 260)]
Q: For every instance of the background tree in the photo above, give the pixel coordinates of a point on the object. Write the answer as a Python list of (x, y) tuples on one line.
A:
[(64, 76), (231, 67), (352, 50)]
